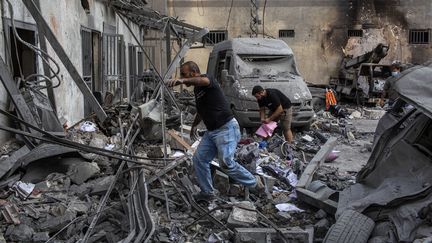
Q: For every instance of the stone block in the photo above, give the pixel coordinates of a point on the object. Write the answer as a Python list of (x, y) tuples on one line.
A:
[(242, 215)]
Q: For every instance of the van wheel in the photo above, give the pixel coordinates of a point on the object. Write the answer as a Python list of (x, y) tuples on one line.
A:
[(351, 226)]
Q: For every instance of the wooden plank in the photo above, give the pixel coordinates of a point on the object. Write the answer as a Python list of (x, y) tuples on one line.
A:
[(313, 199), (44, 29), (313, 165), (180, 140)]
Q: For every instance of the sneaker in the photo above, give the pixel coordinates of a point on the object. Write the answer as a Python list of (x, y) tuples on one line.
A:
[(204, 196)]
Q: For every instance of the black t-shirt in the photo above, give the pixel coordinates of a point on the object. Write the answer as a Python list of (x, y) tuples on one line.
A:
[(273, 99), (211, 105)]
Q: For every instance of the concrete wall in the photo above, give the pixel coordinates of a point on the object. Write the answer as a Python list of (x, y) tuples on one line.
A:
[(66, 18), (320, 27)]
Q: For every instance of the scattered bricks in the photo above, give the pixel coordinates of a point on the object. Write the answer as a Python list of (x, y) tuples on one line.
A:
[(21, 233), (11, 214), (221, 182), (242, 215), (41, 237)]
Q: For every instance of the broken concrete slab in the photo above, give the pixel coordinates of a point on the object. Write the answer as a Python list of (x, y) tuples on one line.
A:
[(101, 185), (52, 224), (294, 235), (80, 171), (22, 233), (42, 151), (242, 215), (373, 114)]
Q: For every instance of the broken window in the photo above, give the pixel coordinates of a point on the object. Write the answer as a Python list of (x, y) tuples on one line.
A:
[(220, 65), (419, 36), (286, 33), (91, 64), (113, 53), (215, 36), (265, 65), (23, 58), (133, 78), (355, 33)]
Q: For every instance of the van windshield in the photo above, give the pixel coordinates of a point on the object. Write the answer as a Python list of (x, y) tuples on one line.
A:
[(266, 65)]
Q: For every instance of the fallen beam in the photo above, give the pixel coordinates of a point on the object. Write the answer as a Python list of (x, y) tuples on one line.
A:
[(45, 30), (310, 197), (314, 199), (316, 161), (7, 164)]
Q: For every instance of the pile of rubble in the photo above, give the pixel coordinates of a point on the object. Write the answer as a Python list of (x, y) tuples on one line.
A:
[(121, 179)]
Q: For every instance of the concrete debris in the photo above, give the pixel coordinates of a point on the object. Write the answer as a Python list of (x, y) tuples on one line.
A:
[(242, 215), (69, 187), (22, 233), (82, 171)]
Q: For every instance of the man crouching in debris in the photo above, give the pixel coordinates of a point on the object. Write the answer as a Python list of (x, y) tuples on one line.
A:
[(279, 105), (223, 131)]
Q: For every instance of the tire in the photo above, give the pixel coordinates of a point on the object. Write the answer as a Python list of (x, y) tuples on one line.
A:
[(350, 227)]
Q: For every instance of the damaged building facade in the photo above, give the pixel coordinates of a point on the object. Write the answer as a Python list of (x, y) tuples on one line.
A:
[(99, 45), (320, 33)]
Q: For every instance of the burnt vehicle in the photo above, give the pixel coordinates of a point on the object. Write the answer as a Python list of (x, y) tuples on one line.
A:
[(241, 63), (393, 194), (362, 78)]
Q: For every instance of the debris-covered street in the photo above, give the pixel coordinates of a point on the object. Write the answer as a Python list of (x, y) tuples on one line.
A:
[(145, 121)]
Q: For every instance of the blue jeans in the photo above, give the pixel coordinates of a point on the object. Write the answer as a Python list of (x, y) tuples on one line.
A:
[(222, 143)]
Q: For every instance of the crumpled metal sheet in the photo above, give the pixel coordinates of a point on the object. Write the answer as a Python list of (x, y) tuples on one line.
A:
[(415, 86)]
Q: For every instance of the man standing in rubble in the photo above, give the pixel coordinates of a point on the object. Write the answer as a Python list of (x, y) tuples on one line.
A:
[(388, 90), (279, 106), (222, 135)]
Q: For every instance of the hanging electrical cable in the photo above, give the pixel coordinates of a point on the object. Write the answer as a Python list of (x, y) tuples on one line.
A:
[(229, 15), (39, 52), (263, 18)]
